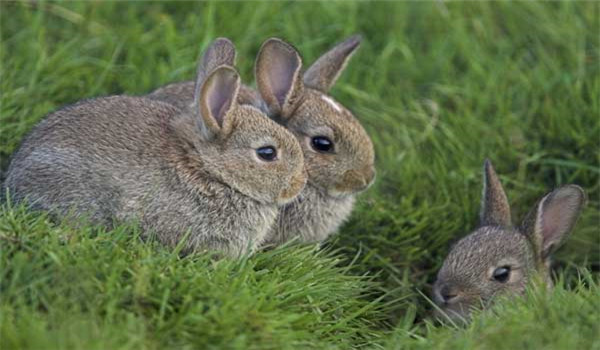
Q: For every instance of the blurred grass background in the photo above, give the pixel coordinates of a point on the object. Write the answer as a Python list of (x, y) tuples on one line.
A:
[(439, 87)]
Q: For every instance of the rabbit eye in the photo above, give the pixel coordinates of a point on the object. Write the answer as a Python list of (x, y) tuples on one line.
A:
[(268, 153), (322, 144), (501, 274)]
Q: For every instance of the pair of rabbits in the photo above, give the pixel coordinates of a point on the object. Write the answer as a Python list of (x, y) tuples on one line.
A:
[(234, 168), (227, 167)]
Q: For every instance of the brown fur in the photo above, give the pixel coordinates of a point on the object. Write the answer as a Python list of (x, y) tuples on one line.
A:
[(466, 281)]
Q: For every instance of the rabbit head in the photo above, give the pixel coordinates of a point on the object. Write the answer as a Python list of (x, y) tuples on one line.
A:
[(237, 145), (499, 259), (338, 153)]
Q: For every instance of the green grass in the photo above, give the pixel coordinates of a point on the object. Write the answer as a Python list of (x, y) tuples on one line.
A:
[(88, 288), (560, 319), (439, 87)]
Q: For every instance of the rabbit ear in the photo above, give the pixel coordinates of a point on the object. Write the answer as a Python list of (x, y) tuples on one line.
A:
[(219, 52), (325, 71), (217, 98), (277, 72), (550, 221), (495, 210)]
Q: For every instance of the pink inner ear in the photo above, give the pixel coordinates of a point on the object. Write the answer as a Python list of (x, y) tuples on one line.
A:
[(220, 95), (281, 74), (559, 214), (219, 102)]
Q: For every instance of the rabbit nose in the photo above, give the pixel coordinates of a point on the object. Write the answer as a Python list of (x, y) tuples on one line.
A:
[(448, 295)]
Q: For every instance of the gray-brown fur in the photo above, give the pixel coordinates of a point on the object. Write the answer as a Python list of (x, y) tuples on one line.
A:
[(299, 102), (466, 279), (131, 158)]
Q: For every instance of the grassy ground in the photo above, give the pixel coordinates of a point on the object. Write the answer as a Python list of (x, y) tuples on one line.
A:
[(438, 86)]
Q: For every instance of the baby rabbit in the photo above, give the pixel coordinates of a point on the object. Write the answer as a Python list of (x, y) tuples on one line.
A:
[(217, 171), (338, 153), (501, 259)]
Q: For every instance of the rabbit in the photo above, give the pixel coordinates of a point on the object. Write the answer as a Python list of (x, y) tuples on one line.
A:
[(215, 173), (338, 153), (500, 259)]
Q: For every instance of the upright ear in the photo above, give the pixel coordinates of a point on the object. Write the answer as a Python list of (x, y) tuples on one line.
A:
[(277, 72), (549, 222), (217, 98), (495, 210), (325, 71), (220, 52)]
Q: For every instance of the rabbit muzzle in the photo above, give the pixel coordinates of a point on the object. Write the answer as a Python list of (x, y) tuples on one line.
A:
[(452, 303), (354, 181), (296, 185), (447, 295)]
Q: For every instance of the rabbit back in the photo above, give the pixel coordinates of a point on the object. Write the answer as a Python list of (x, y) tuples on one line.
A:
[(89, 156), (180, 94)]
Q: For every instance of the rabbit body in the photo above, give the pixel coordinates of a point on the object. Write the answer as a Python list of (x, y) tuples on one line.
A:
[(131, 158)]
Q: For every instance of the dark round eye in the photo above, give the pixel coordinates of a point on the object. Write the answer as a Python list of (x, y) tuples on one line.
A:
[(322, 144), (501, 274), (268, 153)]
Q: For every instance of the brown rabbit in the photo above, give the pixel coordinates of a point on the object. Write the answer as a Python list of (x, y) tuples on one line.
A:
[(499, 259), (217, 171), (339, 155)]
